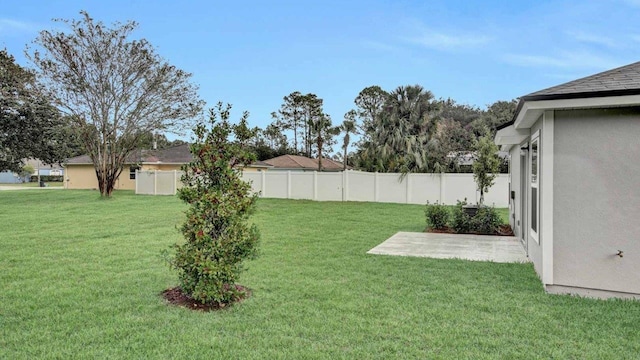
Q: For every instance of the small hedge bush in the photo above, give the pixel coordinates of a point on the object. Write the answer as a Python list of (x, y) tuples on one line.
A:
[(46, 178), (461, 222), (486, 221), (437, 216)]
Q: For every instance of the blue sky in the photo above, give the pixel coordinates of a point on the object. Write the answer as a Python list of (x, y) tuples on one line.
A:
[(252, 53)]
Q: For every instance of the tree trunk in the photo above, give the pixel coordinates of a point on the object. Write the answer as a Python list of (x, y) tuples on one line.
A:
[(344, 158), (319, 155), (309, 150), (305, 135), (107, 177), (295, 136)]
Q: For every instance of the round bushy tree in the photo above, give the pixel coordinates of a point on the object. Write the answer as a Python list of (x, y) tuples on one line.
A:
[(217, 233)]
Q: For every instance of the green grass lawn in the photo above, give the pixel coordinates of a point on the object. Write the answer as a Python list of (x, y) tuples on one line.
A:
[(81, 278)]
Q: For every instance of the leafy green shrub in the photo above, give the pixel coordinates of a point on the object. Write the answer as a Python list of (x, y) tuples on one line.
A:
[(437, 216), (486, 221), (46, 178), (461, 222), (218, 236)]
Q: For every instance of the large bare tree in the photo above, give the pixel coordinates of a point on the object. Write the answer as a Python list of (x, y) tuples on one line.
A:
[(115, 89)]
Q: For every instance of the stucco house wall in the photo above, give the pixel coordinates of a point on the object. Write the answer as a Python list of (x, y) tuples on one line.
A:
[(161, 167), (124, 182), (596, 199), (588, 182), (83, 176), (80, 176)]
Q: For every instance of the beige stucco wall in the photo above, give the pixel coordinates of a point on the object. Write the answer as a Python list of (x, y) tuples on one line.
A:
[(84, 176), (162, 167), (597, 199), (80, 177)]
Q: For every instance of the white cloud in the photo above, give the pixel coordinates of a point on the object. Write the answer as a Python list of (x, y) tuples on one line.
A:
[(10, 25), (442, 41), (563, 60), (593, 39)]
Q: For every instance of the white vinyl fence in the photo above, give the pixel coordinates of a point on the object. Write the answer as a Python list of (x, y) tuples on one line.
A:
[(156, 182), (376, 187), (347, 186)]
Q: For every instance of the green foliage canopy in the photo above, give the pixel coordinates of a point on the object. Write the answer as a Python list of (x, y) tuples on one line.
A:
[(486, 164), (402, 134), (218, 236), (30, 127)]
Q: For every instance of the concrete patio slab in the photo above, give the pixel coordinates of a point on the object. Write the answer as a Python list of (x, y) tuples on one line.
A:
[(502, 249)]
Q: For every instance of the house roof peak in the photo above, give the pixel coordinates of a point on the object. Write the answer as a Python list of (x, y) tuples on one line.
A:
[(624, 80)]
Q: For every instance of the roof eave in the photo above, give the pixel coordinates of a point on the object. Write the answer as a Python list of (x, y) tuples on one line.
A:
[(534, 106), (511, 136)]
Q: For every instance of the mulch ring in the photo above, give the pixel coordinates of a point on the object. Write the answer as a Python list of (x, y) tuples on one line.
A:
[(176, 297), (503, 230)]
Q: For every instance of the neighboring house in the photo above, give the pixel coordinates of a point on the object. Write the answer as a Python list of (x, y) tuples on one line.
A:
[(465, 159), (258, 166), (44, 169), (8, 177), (80, 173), (299, 163), (575, 199)]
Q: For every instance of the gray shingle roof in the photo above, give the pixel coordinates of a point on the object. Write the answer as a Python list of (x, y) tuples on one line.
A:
[(180, 154), (174, 155), (624, 80), (303, 162), (82, 159)]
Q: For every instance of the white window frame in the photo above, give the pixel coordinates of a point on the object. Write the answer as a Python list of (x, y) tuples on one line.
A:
[(535, 138)]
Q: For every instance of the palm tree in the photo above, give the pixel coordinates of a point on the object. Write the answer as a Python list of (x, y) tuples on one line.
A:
[(403, 132), (322, 131), (348, 127)]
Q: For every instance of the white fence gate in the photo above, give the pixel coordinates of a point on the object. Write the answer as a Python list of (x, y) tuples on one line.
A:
[(347, 186)]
